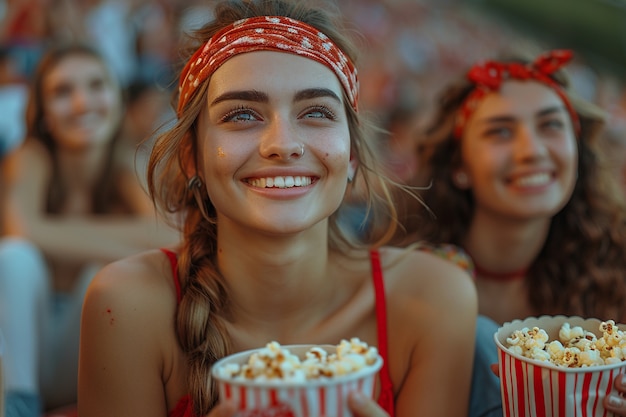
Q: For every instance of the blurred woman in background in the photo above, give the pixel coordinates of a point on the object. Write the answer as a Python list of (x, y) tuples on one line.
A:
[(73, 204), (518, 183)]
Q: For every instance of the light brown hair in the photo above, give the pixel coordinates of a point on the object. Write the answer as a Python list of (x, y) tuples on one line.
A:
[(200, 321)]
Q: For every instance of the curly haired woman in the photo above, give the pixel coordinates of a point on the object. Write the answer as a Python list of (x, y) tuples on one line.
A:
[(519, 185)]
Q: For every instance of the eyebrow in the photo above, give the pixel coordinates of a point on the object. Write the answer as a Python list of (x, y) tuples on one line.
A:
[(310, 93), (245, 95), (541, 113), (549, 110), (260, 97)]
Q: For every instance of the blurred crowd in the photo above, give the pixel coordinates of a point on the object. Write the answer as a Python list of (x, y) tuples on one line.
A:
[(413, 48), (409, 48), (138, 38)]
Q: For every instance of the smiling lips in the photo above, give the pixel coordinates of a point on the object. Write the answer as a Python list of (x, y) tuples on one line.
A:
[(281, 182), (534, 180)]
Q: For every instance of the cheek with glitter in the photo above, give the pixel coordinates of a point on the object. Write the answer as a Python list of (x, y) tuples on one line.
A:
[(220, 152)]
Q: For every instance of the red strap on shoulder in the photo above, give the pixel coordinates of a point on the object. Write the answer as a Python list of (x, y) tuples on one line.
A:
[(184, 408), (385, 400), (174, 264)]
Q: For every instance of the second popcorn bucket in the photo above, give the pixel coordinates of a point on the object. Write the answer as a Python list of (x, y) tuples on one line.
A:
[(536, 388), (294, 398)]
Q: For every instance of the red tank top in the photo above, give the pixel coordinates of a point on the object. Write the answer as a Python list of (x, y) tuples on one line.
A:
[(184, 407)]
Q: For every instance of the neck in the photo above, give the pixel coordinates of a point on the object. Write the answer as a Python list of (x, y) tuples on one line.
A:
[(500, 276), (286, 270), (89, 162), (489, 236)]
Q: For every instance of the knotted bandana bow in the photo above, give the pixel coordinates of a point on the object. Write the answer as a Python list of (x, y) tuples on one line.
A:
[(489, 76)]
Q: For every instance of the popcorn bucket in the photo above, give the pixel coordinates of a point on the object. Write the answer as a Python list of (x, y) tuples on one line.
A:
[(534, 388), (313, 398)]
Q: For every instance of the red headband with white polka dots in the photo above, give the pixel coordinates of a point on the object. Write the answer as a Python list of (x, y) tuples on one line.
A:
[(273, 33), (489, 76)]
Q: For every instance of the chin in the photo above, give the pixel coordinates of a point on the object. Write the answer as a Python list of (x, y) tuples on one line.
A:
[(536, 213)]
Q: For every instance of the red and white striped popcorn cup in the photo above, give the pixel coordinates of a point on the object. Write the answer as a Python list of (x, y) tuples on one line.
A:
[(313, 398), (534, 388)]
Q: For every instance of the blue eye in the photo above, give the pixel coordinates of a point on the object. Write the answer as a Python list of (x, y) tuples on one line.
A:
[(500, 132), (319, 112), (240, 115), (98, 84), (555, 124), (63, 90)]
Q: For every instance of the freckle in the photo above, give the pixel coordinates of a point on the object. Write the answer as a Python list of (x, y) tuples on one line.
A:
[(112, 321), (109, 310)]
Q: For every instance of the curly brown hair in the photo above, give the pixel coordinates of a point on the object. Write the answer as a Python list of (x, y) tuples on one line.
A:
[(581, 269), (202, 313)]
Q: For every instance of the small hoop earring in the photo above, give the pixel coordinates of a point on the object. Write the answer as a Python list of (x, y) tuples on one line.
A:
[(193, 183), (195, 186)]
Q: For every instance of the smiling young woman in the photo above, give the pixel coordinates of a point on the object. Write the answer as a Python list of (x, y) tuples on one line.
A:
[(258, 166), (519, 184)]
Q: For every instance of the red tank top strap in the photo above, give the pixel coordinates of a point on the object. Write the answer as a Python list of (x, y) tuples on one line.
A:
[(184, 408), (174, 264), (386, 398)]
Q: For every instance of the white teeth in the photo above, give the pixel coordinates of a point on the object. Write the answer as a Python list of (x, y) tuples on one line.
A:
[(533, 180), (281, 182), (87, 119)]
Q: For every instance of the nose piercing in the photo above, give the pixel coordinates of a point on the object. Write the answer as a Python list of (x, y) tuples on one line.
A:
[(301, 150)]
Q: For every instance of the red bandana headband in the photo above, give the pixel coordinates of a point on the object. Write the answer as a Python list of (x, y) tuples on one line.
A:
[(266, 33), (489, 76)]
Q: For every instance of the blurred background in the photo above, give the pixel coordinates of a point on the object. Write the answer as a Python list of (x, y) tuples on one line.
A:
[(410, 48)]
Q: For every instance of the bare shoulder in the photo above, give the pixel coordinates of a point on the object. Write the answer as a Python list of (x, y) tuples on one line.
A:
[(33, 151), (432, 310), (29, 171), (31, 160), (127, 338), (140, 286), (426, 274), (427, 293)]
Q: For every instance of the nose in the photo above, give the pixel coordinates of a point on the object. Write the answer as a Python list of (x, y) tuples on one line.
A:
[(281, 141), (80, 98), (529, 144)]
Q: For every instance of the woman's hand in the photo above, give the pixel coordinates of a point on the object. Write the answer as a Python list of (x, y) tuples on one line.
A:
[(617, 402), (495, 369), (363, 406)]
